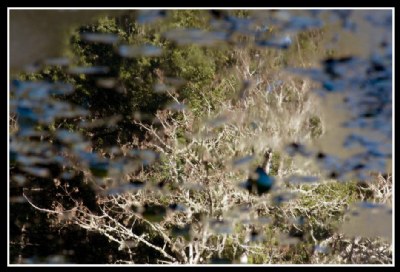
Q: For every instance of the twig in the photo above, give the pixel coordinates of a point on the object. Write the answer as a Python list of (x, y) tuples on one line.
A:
[(40, 209)]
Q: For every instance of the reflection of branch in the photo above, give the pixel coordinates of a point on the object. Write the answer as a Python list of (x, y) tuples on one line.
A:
[(40, 209), (153, 132), (350, 256), (196, 259), (121, 230), (154, 227)]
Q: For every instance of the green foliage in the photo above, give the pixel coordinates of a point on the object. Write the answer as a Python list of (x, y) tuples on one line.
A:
[(275, 163), (189, 18), (315, 126), (322, 220), (136, 77)]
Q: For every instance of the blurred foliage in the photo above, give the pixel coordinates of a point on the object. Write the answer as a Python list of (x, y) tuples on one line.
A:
[(136, 77)]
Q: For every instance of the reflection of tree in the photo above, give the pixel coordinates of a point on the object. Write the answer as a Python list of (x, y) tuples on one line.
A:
[(162, 183)]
